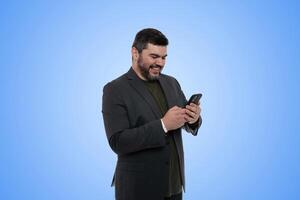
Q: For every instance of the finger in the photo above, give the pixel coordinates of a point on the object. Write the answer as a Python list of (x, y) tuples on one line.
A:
[(175, 108), (180, 110), (191, 119), (191, 108), (193, 104), (188, 118), (198, 103), (198, 110), (183, 112), (190, 113)]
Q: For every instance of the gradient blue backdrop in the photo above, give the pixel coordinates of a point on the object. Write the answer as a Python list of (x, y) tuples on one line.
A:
[(57, 55)]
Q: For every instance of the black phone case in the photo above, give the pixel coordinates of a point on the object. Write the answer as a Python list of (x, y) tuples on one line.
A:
[(195, 98)]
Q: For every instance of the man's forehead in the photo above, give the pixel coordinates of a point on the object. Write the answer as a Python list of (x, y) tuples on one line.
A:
[(156, 49)]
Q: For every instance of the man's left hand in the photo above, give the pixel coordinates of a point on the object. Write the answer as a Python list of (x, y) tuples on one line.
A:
[(192, 112)]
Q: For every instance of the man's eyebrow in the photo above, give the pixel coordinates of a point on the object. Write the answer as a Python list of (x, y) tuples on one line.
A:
[(154, 54)]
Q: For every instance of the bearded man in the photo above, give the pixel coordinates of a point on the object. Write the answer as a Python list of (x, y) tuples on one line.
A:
[(144, 112)]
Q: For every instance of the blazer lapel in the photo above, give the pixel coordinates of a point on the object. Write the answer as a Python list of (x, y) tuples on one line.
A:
[(167, 91), (140, 87)]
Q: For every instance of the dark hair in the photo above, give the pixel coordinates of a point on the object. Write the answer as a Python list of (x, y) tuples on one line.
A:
[(149, 35)]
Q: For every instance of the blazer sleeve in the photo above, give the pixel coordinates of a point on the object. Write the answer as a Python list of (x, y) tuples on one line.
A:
[(123, 138), (193, 128)]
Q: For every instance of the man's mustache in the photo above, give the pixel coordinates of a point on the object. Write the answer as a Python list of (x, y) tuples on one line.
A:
[(153, 66)]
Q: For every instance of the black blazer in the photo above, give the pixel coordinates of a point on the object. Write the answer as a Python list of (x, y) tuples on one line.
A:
[(134, 131)]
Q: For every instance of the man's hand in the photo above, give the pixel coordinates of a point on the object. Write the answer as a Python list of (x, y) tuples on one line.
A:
[(175, 118), (193, 112)]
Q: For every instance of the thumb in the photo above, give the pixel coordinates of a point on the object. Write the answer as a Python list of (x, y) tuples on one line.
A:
[(174, 108)]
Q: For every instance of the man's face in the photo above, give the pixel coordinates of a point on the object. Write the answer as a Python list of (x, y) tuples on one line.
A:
[(151, 61)]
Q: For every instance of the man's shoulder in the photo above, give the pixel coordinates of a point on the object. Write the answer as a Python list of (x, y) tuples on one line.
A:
[(117, 82), (170, 79)]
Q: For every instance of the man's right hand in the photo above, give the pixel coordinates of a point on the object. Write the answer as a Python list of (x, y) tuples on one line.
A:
[(174, 118)]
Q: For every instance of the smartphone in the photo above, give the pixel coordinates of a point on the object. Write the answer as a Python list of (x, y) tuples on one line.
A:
[(194, 99)]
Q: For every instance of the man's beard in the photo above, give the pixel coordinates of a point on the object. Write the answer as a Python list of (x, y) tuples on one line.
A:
[(145, 71)]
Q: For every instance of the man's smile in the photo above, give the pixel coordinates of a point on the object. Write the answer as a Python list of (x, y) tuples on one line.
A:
[(155, 69)]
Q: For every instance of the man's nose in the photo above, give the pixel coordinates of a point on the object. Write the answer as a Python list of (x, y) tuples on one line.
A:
[(160, 61)]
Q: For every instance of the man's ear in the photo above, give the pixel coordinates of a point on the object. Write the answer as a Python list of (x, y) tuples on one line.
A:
[(134, 53)]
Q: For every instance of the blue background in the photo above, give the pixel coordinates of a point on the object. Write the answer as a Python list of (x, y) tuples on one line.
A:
[(56, 56)]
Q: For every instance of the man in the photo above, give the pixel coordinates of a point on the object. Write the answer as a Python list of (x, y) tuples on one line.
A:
[(144, 111)]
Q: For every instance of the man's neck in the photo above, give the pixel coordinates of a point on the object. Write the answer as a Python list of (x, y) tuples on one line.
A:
[(138, 73)]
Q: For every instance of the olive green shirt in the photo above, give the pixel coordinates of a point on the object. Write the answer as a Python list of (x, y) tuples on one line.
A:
[(175, 183)]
